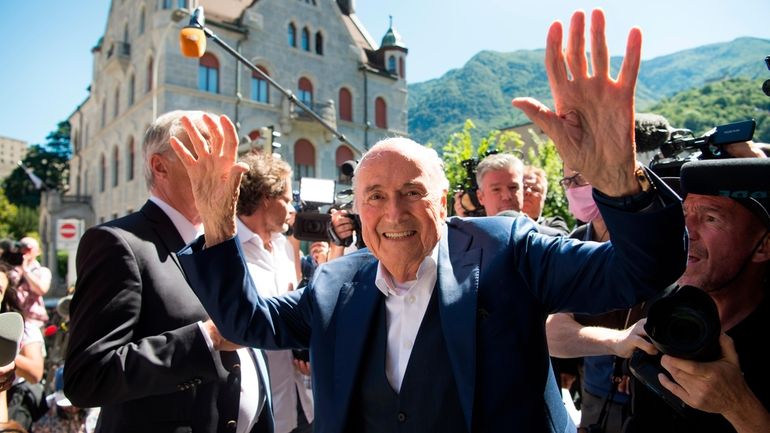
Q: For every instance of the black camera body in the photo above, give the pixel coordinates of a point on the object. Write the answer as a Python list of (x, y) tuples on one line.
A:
[(469, 199), (684, 323), (13, 252), (683, 147)]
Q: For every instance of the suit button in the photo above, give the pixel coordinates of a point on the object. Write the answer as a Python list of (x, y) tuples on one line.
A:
[(401, 417), (232, 424), (235, 367), (197, 381)]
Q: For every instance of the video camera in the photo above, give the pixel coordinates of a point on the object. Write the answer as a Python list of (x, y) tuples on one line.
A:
[(682, 146), (683, 323), (469, 199), (309, 223)]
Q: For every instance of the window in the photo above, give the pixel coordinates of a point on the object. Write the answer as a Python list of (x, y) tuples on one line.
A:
[(148, 82), (292, 35), (141, 21), (401, 70), (130, 158), (346, 105), (131, 89), (181, 4), (380, 113), (125, 33), (305, 91), (115, 165), (392, 64), (116, 107), (343, 154), (208, 74), (260, 90), (305, 39), (304, 159), (319, 44), (102, 173), (166, 4)]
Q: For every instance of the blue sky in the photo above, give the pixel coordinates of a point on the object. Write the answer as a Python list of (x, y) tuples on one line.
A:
[(47, 60)]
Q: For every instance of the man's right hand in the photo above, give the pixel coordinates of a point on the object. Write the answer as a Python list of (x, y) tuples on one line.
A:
[(342, 224), (220, 343), (215, 174)]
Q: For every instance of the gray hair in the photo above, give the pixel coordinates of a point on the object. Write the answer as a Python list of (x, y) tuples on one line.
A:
[(498, 161), (428, 158), (160, 132)]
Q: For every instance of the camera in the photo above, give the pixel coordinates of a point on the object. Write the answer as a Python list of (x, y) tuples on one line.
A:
[(469, 199), (12, 252), (309, 223), (766, 84), (683, 146), (684, 323)]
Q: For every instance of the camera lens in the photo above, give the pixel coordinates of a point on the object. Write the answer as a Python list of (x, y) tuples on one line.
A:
[(685, 324)]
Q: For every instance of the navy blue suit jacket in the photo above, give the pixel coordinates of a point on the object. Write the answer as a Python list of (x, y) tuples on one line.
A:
[(498, 279)]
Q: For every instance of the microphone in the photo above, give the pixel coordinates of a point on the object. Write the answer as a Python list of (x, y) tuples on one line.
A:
[(192, 39), (651, 131)]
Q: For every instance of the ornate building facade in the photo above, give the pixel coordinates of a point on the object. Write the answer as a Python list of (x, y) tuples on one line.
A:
[(317, 49)]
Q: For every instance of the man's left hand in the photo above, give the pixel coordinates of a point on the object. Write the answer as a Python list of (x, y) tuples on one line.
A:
[(593, 122)]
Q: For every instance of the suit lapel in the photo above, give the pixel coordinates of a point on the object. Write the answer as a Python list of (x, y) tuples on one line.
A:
[(356, 307), (458, 281), (165, 229)]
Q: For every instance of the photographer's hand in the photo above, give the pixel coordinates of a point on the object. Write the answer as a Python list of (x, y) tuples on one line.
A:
[(341, 224), (458, 204), (717, 387), (632, 338), (593, 122), (744, 149)]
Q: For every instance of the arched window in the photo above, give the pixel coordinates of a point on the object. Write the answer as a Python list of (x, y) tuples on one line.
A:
[(292, 35), (319, 44), (305, 91), (148, 81), (401, 70), (304, 159), (131, 89), (102, 173), (115, 165), (125, 33), (380, 113), (305, 39), (260, 90), (130, 158), (343, 154), (208, 73), (392, 64), (141, 21), (116, 107), (346, 105)]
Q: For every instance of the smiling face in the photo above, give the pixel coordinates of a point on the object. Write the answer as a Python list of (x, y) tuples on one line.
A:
[(402, 207), (722, 236)]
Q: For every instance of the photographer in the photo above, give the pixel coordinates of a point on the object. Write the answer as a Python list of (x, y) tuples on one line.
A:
[(727, 213), (264, 210)]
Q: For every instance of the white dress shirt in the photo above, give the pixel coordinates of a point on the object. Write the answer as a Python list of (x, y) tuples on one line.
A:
[(274, 273), (405, 306), (251, 398)]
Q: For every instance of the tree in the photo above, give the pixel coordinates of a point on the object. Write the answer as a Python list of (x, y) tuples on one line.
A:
[(8, 213), (49, 161)]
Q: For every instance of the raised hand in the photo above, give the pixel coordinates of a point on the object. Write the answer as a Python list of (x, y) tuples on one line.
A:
[(214, 173), (593, 122)]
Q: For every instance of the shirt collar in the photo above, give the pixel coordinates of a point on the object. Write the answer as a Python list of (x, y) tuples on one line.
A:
[(187, 230), (428, 270), (245, 235)]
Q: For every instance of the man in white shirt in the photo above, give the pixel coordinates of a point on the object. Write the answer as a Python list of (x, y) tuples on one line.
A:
[(264, 209)]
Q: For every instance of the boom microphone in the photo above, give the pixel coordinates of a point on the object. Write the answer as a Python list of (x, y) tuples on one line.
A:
[(192, 38), (651, 131)]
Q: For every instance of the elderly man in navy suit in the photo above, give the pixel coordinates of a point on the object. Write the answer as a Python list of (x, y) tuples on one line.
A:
[(438, 326)]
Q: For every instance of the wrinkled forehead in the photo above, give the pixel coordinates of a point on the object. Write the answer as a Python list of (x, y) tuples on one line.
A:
[(391, 165)]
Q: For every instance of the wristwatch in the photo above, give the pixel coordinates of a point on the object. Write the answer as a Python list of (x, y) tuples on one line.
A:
[(636, 202)]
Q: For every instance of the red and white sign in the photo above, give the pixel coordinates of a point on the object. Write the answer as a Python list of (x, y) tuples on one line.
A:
[(68, 232)]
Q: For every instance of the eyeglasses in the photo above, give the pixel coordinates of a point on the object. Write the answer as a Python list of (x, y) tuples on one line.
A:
[(573, 181)]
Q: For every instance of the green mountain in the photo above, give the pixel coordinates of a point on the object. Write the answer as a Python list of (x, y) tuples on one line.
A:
[(483, 88)]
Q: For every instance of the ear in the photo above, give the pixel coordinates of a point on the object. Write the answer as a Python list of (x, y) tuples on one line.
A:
[(480, 196), (763, 251), (158, 166)]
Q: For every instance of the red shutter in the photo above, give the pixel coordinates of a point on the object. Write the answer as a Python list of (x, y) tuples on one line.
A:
[(346, 105)]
